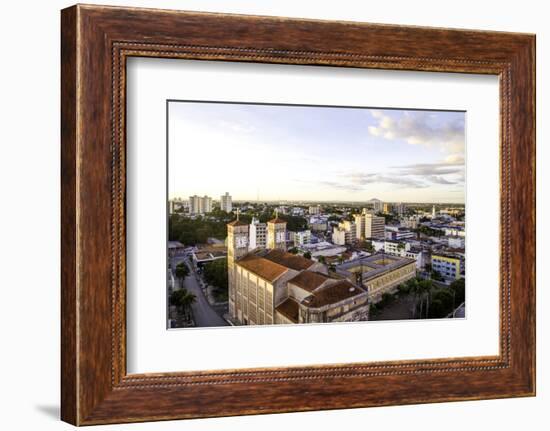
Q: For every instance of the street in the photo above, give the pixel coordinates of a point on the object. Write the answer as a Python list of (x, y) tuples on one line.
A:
[(203, 313)]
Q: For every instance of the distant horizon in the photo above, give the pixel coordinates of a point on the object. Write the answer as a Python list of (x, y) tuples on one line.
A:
[(329, 154), (309, 201)]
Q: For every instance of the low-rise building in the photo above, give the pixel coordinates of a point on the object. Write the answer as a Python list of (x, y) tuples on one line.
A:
[(315, 210), (396, 248), (302, 238), (456, 241), (379, 273), (447, 265)]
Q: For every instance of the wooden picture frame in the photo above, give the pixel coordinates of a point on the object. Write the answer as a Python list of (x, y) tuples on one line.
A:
[(95, 43)]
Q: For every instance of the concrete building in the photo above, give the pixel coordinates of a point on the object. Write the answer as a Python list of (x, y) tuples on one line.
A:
[(387, 209), (447, 265), (258, 234), (378, 273), (456, 241), (318, 226), (411, 222), (369, 225), (396, 248), (420, 256), (273, 286), (400, 209), (398, 233), (276, 233), (302, 238), (344, 233), (200, 204), (226, 203), (315, 210), (378, 205)]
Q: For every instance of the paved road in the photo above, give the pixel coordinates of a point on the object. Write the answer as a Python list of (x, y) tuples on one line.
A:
[(203, 313)]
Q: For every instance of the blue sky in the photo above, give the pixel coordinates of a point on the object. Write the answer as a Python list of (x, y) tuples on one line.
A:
[(315, 153)]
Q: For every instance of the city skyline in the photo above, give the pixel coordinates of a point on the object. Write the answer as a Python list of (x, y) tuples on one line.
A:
[(303, 153)]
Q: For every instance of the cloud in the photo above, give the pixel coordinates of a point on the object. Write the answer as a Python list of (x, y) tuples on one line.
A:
[(364, 179), (421, 128), (448, 172), (453, 164)]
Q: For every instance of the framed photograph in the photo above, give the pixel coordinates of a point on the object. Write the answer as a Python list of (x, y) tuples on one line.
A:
[(322, 214)]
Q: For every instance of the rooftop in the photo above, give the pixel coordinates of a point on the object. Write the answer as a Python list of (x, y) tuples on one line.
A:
[(332, 294), (262, 267), (277, 220), (309, 280), (288, 260), (236, 223), (374, 265), (289, 309)]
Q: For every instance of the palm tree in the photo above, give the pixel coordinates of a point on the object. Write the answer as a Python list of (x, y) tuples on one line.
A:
[(426, 289), (183, 300), (414, 289), (182, 271)]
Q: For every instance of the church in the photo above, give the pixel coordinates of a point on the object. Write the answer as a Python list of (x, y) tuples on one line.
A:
[(271, 286)]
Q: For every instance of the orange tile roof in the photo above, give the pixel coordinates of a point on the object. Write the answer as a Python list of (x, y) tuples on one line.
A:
[(277, 220), (332, 294), (236, 223), (309, 280), (289, 309), (289, 260), (264, 268)]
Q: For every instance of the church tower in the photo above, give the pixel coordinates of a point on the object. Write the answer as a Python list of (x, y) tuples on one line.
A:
[(237, 246), (276, 233)]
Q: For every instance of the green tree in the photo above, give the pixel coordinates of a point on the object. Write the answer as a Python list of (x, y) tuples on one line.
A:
[(215, 274), (182, 271), (307, 255), (425, 288), (183, 300)]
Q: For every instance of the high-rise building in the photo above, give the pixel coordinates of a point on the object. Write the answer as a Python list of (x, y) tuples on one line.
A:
[(226, 203), (374, 226), (200, 204), (369, 225), (433, 211), (345, 233), (400, 208), (378, 205), (387, 209), (258, 234)]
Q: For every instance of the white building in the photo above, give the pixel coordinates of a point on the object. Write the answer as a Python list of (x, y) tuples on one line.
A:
[(420, 256), (302, 238), (378, 205), (455, 231), (200, 204), (396, 248), (226, 203), (315, 210), (338, 236), (456, 241), (346, 231), (258, 234), (411, 222)]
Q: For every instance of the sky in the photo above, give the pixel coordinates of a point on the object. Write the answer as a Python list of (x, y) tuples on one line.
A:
[(282, 152)]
